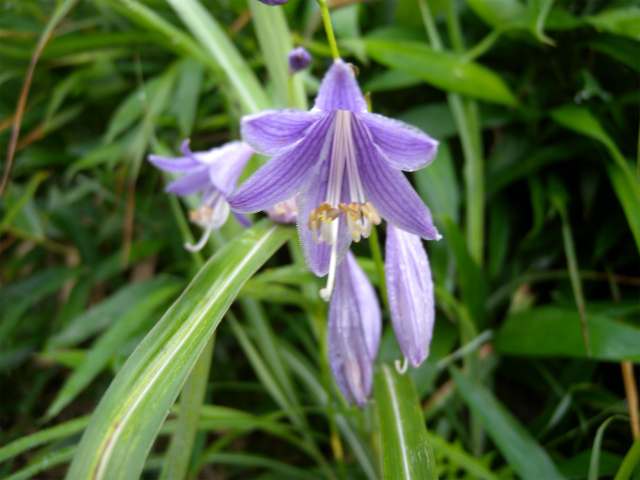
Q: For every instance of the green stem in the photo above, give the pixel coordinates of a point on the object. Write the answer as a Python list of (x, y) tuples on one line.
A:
[(191, 399), (326, 19)]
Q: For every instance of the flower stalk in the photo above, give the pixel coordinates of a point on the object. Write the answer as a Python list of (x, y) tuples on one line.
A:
[(326, 19)]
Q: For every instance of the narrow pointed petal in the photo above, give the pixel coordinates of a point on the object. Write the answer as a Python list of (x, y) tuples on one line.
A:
[(242, 219), (405, 146), (339, 90), (180, 164), (388, 190), (313, 193), (349, 354), (283, 176), (225, 171), (410, 292), (368, 304), (191, 183), (273, 131)]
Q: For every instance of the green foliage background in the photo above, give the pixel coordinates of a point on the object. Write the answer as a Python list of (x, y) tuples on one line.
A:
[(535, 190)]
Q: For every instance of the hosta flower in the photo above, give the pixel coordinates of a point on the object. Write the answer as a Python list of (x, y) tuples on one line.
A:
[(354, 331), (299, 59), (345, 162), (215, 173), (285, 212), (274, 2), (410, 292)]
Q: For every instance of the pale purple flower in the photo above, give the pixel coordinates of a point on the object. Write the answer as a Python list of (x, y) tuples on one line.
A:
[(274, 2), (285, 212), (215, 173), (410, 293), (299, 59), (355, 326), (345, 162)]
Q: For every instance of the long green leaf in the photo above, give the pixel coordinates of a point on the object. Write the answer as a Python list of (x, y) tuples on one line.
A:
[(553, 331), (441, 70), (406, 453), (109, 342), (275, 42), (216, 43), (517, 445), (128, 418), (630, 462)]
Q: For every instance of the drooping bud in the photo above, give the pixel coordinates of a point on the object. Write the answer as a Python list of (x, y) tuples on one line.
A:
[(299, 59), (410, 292), (355, 326)]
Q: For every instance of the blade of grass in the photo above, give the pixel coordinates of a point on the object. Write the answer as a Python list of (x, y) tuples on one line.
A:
[(126, 422)]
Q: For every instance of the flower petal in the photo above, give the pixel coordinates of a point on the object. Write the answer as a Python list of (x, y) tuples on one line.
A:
[(313, 194), (405, 146), (225, 171), (273, 131), (180, 164), (388, 190), (410, 293), (368, 304), (242, 219), (190, 183), (349, 355), (339, 90), (283, 176)]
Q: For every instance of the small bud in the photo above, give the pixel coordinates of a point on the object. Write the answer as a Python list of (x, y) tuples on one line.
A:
[(299, 59)]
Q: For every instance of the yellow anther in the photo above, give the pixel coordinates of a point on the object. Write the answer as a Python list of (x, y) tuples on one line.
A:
[(371, 213)]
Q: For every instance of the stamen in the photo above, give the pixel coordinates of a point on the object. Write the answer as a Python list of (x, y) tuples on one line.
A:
[(326, 292), (401, 369), (201, 243)]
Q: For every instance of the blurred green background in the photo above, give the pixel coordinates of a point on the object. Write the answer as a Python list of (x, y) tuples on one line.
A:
[(535, 191)]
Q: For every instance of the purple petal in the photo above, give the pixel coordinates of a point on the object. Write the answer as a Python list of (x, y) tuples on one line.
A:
[(190, 183), (410, 292), (405, 146), (313, 194), (367, 304), (349, 354), (242, 219), (180, 164), (226, 168), (388, 190), (284, 175), (273, 131), (340, 90)]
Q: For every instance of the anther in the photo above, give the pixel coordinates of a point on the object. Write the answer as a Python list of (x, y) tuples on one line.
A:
[(371, 213)]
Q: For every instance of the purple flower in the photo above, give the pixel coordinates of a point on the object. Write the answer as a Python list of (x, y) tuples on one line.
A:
[(299, 59), (285, 212), (354, 331), (274, 2), (215, 173), (410, 292), (345, 162)]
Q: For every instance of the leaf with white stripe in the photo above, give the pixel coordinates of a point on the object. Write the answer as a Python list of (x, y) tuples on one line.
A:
[(406, 453), (130, 414)]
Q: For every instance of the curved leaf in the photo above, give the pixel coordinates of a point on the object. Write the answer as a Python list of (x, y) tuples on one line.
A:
[(128, 418), (442, 70), (406, 453)]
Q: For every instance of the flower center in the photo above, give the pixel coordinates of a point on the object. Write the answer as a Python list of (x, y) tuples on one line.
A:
[(211, 215), (359, 215)]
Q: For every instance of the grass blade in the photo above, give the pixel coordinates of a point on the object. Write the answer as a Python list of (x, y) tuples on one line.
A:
[(406, 453), (517, 445), (216, 43), (128, 418)]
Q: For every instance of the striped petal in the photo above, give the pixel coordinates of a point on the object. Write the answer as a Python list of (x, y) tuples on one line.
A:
[(405, 146), (273, 131), (388, 190), (353, 331), (339, 90), (283, 175), (410, 293)]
